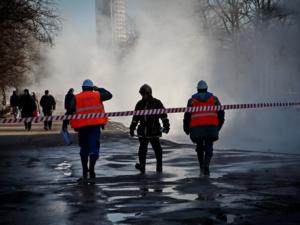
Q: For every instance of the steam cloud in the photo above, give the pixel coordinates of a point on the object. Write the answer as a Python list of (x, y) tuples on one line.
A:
[(172, 54)]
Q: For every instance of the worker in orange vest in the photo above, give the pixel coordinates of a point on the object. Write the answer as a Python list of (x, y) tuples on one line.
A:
[(90, 100), (203, 127)]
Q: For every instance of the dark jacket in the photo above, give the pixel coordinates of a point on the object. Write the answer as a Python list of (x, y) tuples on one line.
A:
[(48, 103), (14, 100), (68, 99), (203, 132), (27, 105), (149, 126)]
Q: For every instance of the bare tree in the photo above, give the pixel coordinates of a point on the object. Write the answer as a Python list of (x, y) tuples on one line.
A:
[(25, 25)]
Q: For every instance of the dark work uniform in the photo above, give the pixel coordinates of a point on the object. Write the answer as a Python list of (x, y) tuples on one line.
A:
[(149, 130), (89, 138), (48, 104), (203, 136)]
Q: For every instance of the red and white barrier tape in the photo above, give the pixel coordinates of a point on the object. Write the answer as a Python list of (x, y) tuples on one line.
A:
[(150, 112)]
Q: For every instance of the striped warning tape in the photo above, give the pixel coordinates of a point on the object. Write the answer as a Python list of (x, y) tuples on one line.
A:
[(150, 112)]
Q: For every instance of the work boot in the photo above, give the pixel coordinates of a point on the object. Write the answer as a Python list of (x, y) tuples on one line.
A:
[(84, 164), (140, 168), (92, 178)]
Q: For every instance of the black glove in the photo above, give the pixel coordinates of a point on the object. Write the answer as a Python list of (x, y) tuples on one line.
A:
[(131, 132), (166, 130)]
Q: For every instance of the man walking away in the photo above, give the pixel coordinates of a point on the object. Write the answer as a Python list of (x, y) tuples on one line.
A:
[(48, 104), (68, 98), (27, 107), (149, 128), (14, 103), (203, 127), (90, 100)]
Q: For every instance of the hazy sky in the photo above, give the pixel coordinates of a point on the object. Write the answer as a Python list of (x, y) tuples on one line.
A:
[(82, 12), (79, 12)]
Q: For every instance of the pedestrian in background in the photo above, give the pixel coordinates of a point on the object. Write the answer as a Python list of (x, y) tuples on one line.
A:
[(203, 127), (149, 128), (48, 104), (14, 103), (27, 107), (90, 100), (68, 98)]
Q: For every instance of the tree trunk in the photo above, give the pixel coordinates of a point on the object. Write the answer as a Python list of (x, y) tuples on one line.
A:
[(3, 97)]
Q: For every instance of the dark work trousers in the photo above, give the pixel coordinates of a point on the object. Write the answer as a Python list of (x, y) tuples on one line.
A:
[(48, 124), (89, 140), (25, 114), (157, 150), (204, 151), (66, 122)]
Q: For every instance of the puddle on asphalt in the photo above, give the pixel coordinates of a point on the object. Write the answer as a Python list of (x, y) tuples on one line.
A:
[(119, 217), (228, 186), (65, 167), (230, 218), (121, 189), (170, 192), (237, 200)]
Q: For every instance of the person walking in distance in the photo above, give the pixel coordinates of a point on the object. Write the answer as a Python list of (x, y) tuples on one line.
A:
[(48, 104), (27, 107), (149, 128), (14, 103), (203, 127), (90, 100), (68, 98)]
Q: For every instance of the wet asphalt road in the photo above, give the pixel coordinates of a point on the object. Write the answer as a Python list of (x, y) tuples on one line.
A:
[(39, 186)]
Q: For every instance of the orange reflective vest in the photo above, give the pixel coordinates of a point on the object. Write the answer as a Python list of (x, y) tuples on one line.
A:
[(88, 102), (204, 118)]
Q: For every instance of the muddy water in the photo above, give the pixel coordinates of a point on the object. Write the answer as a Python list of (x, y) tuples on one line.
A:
[(39, 186)]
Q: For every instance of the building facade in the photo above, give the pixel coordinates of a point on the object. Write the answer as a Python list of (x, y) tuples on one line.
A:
[(111, 23)]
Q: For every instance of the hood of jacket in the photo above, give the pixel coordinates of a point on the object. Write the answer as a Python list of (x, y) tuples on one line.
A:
[(202, 96)]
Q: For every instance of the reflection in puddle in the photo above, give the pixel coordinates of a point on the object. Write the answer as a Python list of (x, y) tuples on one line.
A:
[(119, 217), (170, 192), (65, 167), (228, 186), (230, 218), (237, 200)]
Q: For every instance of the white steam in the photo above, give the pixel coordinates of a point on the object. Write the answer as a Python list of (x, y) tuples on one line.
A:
[(172, 54)]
